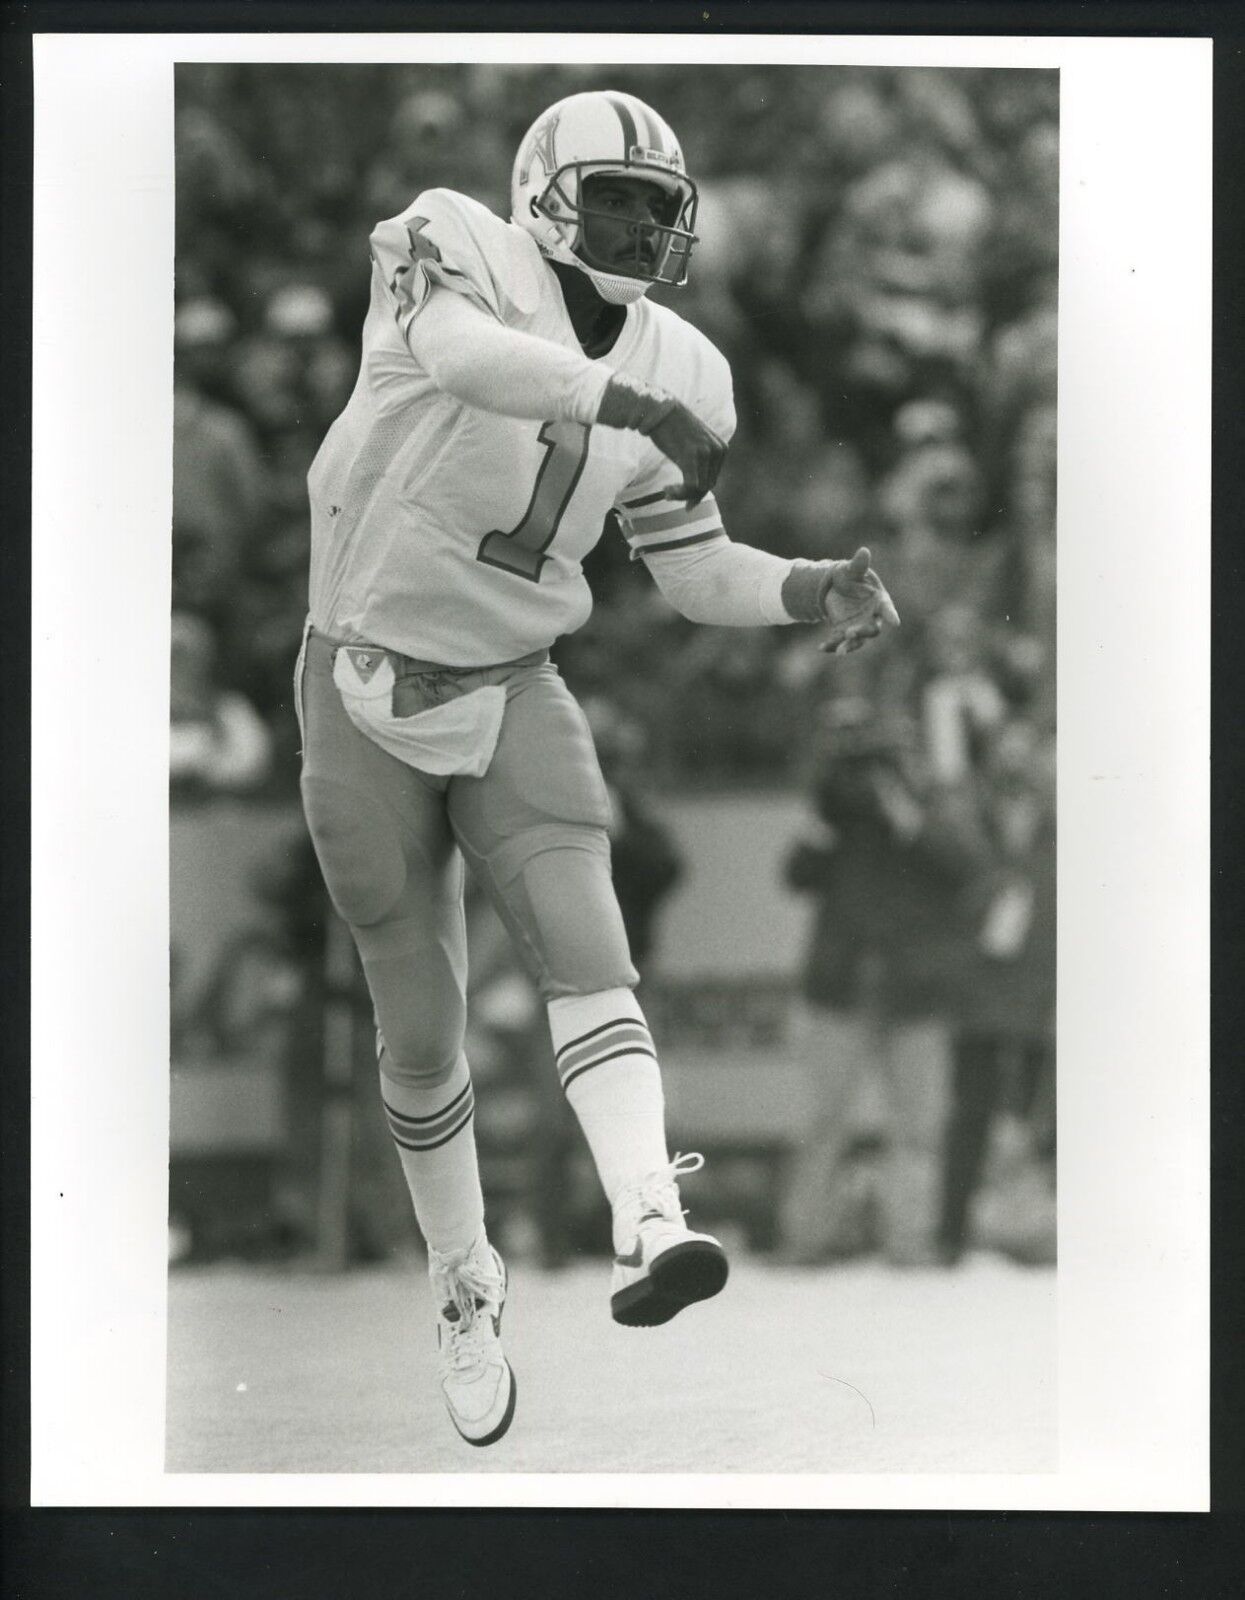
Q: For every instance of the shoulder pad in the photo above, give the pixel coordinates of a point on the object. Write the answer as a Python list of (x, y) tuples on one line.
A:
[(703, 376), (449, 239)]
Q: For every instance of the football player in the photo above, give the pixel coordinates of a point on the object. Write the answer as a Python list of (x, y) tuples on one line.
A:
[(515, 387)]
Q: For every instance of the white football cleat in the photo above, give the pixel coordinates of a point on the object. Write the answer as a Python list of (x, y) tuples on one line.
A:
[(660, 1265), (469, 1291)]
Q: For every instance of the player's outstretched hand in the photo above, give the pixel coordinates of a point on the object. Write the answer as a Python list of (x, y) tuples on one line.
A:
[(856, 605), (695, 449)]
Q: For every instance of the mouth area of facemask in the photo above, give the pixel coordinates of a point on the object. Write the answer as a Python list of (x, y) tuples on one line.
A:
[(615, 288)]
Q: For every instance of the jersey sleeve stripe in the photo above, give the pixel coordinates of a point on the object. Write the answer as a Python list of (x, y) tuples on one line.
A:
[(676, 517), (645, 500), (643, 528), (680, 544), (661, 517)]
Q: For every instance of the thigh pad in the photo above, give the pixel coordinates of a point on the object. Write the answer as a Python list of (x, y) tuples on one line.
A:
[(374, 822), (535, 829), (544, 779)]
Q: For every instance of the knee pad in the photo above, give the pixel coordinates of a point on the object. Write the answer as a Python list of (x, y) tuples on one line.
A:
[(417, 980), (414, 1066), (417, 1046), (557, 898), (358, 847)]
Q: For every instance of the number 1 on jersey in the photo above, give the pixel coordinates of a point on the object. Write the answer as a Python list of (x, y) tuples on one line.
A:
[(521, 551)]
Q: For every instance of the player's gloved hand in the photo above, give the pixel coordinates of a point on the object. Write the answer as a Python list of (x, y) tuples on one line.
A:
[(856, 605), (695, 449), (847, 594), (677, 432)]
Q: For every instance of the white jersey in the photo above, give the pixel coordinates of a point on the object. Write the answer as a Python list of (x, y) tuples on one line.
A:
[(456, 535)]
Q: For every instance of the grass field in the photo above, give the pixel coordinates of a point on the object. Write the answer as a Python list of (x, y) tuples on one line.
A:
[(855, 1369)]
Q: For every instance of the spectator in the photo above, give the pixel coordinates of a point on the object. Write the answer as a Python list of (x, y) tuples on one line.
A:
[(1004, 1041), (933, 504), (960, 701), (218, 475), (885, 877), (434, 140), (729, 693), (217, 742)]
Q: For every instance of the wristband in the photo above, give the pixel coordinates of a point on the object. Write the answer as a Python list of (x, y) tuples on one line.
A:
[(805, 588), (627, 403)]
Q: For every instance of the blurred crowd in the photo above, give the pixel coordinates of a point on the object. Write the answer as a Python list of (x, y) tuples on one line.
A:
[(878, 261)]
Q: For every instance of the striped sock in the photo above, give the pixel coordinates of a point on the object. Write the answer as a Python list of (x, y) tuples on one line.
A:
[(610, 1076), (432, 1129)]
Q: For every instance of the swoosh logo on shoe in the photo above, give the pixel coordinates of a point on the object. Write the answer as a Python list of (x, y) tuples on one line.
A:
[(634, 1259)]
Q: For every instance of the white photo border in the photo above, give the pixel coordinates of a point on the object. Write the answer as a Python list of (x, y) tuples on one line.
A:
[(1134, 701)]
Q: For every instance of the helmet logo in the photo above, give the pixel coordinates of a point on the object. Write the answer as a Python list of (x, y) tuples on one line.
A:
[(656, 158), (542, 147)]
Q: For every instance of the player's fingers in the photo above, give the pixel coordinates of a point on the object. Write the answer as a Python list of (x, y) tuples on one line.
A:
[(700, 472), (715, 456), (859, 564), (854, 637), (692, 491)]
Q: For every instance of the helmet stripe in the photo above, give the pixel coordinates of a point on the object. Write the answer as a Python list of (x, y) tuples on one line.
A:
[(628, 122), (654, 139), (640, 112)]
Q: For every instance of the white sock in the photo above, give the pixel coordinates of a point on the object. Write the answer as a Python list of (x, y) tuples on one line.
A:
[(610, 1076), (435, 1139)]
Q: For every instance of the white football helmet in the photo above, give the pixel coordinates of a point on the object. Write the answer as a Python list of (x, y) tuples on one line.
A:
[(602, 131)]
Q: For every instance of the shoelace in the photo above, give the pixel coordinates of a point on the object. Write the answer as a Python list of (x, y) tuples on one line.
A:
[(467, 1282), (658, 1191), (464, 1346)]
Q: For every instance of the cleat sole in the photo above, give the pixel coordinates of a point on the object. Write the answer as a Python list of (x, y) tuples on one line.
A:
[(680, 1277)]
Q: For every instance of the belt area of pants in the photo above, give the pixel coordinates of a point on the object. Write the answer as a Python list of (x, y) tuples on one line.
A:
[(403, 665)]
